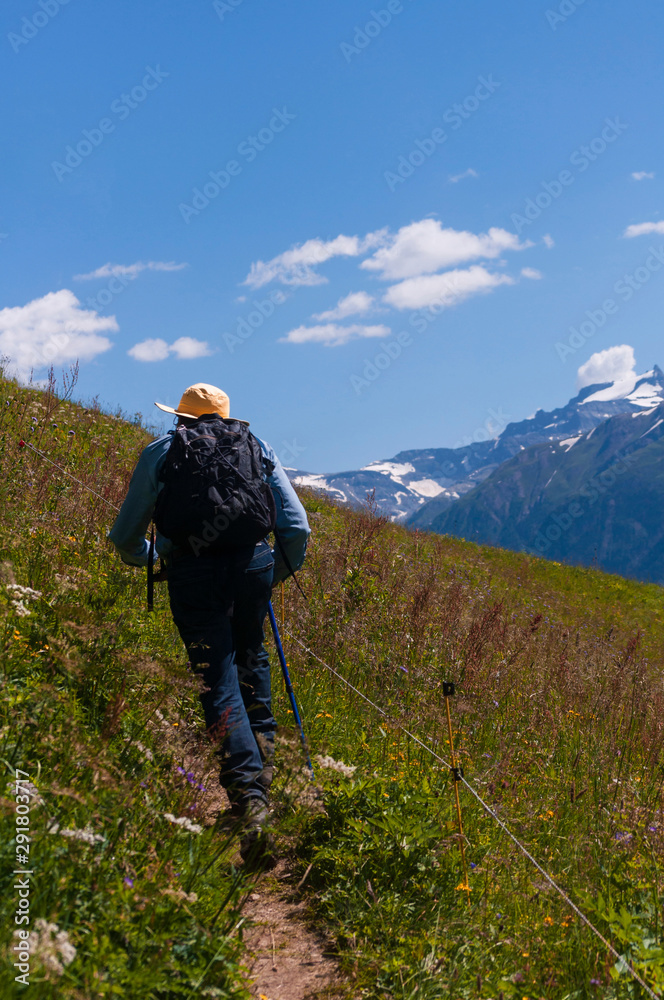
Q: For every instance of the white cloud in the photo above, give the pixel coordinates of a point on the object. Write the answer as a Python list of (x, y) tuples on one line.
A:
[(296, 266), (355, 304), (188, 347), (643, 175), (332, 335), (130, 271), (643, 228), (531, 272), (461, 177), (611, 365), (444, 290), (548, 241), (52, 330), (156, 349), (424, 247)]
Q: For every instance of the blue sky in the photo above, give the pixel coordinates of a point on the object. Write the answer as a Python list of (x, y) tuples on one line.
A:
[(459, 302)]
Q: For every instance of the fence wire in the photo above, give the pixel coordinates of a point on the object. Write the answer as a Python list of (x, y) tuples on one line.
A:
[(623, 964)]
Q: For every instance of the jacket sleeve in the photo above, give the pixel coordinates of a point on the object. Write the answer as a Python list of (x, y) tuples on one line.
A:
[(128, 532), (292, 524)]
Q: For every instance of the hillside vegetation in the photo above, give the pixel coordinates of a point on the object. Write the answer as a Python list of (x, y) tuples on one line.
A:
[(137, 892)]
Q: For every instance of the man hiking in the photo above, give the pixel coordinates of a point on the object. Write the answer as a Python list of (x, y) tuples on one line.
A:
[(212, 488)]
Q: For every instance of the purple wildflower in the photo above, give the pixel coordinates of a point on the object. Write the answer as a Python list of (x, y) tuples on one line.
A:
[(129, 882)]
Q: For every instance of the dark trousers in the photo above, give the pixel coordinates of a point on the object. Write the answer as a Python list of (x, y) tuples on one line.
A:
[(219, 604)]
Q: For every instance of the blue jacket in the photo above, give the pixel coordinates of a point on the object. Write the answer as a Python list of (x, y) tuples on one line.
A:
[(131, 524)]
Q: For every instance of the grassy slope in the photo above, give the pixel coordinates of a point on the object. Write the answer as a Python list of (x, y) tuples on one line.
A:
[(558, 720)]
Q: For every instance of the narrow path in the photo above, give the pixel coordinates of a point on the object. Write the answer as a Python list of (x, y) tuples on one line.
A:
[(286, 959)]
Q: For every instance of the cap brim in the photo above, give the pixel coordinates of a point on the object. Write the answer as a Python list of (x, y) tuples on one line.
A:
[(178, 413), (192, 416)]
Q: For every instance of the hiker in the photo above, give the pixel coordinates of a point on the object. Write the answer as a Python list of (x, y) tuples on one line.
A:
[(220, 577)]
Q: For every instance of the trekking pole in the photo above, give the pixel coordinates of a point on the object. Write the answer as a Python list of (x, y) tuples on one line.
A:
[(289, 686), (457, 775)]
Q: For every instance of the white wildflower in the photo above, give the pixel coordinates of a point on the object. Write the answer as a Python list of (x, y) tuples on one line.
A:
[(87, 835), (26, 788), (147, 754), (180, 895), (50, 946), (27, 593), (348, 770), (21, 609), (183, 822)]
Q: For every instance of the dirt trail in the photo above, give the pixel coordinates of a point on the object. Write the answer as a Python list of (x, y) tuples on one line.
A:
[(286, 959)]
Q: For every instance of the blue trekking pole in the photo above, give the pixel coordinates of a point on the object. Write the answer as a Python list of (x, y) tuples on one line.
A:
[(289, 686)]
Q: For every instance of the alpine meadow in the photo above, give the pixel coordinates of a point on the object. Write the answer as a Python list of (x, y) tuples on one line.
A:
[(135, 888)]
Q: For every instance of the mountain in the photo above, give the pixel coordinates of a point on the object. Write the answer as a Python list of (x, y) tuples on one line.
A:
[(595, 498), (418, 486)]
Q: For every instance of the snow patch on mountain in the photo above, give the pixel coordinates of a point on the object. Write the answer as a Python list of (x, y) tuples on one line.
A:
[(393, 469), (637, 389), (426, 487)]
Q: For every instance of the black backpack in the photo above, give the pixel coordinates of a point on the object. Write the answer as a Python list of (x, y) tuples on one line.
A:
[(215, 494)]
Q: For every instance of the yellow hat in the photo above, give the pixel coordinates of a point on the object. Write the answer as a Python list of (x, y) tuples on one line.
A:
[(199, 399)]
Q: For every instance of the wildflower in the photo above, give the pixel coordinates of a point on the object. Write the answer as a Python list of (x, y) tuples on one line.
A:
[(147, 754), (50, 946), (27, 788), (348, 770), (129, 882), (86, 835), (27, 593), (184, 822), (21, 609), (180, 895), (548, 921)]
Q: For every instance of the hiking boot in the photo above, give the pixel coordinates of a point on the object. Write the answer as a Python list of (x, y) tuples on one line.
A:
[(257, 847)]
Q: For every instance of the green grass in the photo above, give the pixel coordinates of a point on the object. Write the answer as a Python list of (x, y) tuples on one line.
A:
[(557, 719)]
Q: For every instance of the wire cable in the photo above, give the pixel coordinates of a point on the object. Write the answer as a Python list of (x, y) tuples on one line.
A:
[(26, 444), (623, 964)]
